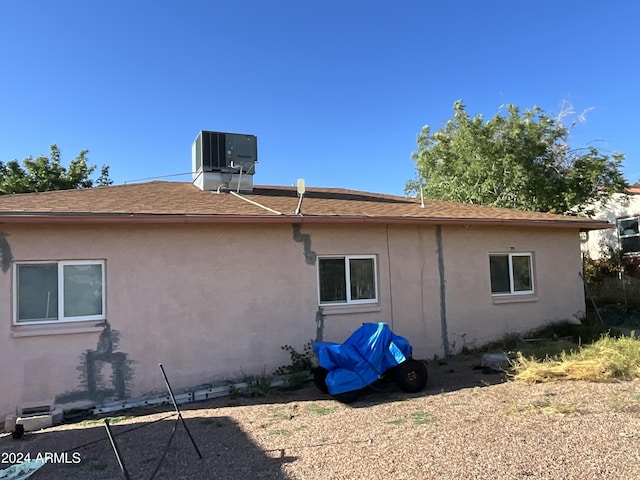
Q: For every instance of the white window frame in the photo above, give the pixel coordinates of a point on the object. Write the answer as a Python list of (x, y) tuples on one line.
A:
[(347, 259), (61, 318), (512, 291)]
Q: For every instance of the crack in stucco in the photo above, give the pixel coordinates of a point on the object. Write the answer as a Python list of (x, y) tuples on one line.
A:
[(5, 253), (443, 293), (305, 239), (310, 259)]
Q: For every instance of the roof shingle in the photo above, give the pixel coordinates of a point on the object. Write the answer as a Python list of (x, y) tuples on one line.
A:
[(182, 202)]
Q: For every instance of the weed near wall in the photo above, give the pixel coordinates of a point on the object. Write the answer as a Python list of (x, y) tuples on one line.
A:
[(299, 369)]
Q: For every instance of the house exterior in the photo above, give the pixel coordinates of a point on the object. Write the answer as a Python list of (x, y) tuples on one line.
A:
[(100, 285), (623, 211)]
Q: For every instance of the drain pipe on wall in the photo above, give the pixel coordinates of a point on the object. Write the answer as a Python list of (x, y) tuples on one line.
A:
[(443, 292)]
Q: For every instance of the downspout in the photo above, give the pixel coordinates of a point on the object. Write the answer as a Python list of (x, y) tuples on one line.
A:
[(443, 293)]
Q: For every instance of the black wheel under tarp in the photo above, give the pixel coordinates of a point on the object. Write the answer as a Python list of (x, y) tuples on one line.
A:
[(319, 376), (411, 375)]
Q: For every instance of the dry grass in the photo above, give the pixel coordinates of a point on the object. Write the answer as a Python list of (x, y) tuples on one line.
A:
[(544, 403), (605, 360)]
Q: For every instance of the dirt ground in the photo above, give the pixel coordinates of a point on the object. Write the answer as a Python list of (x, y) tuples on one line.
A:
[(82, 450), (305, 434)]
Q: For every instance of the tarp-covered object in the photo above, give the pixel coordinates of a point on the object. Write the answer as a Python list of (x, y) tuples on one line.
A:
[(362, 358), (22, 471)]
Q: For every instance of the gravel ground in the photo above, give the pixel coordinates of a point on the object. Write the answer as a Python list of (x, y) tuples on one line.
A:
[(465, 425)]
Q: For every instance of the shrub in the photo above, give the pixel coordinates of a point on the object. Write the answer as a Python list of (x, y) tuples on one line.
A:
[(610, 265), (300, 367)]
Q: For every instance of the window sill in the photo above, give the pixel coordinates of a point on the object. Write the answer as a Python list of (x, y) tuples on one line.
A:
[(19, 331), (498, 300), (349, 309)]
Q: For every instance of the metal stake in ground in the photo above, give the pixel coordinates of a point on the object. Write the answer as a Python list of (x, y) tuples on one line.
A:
[(175, 405), (115, 450), (591, 297), (173, 431)]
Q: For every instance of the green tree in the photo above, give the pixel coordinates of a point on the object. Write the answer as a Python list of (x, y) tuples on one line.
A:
[(47, 173), (521, 161)]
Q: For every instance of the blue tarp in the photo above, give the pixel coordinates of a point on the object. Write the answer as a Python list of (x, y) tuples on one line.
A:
[(362, 358)]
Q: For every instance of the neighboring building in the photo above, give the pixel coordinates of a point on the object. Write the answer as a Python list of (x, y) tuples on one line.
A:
[(98, 286), (623, 211)]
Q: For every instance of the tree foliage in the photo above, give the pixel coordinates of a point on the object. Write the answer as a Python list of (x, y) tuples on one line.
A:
[(515, 160), (47, 173)]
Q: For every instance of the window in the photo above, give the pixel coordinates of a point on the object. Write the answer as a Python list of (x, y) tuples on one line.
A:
[(59, 291), (511, 273), (629, 234), (349, 279)]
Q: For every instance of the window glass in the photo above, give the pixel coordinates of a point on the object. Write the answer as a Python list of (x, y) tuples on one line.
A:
[(630, 244), (82, 290), (628, 226), (59, 291), (333, 280), (362, 276), (521, 265), (347, 279), (499, 266), (37, 286), (511, 273)]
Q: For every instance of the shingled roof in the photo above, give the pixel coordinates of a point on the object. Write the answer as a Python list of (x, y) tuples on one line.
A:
[(181, 202)]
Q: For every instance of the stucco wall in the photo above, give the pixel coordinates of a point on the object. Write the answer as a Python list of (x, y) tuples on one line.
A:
[(212, 302), (619, 206), (474, 317)]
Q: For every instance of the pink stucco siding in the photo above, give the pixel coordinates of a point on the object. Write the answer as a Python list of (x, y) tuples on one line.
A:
[(214, 301)]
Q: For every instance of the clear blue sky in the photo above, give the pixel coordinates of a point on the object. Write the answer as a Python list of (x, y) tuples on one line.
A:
[(336, 91)]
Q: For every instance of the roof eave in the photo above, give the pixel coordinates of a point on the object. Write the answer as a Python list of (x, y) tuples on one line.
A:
[(145, 218)]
